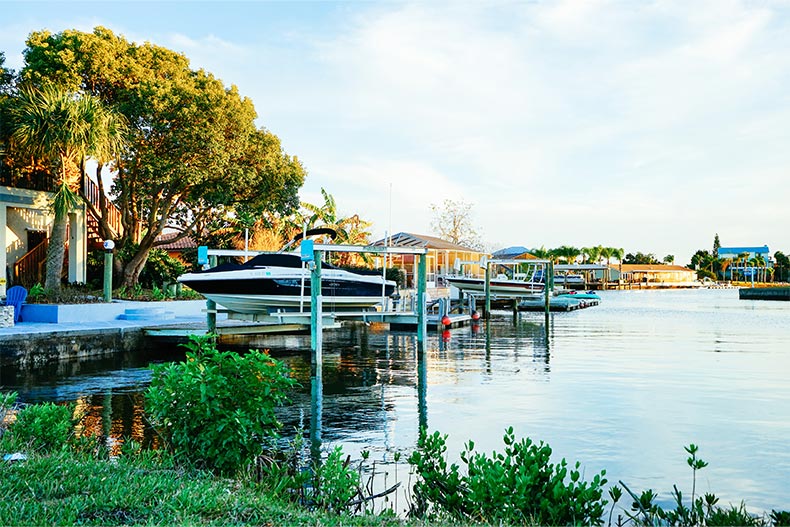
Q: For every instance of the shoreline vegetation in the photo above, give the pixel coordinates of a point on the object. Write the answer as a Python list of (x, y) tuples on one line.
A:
[(221, 462)]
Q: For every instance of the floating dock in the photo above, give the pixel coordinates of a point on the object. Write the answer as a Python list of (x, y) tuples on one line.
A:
[(764, 293), (557, 303)]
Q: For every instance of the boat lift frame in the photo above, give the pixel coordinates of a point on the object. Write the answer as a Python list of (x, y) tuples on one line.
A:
[(312, 253), (548, 277)]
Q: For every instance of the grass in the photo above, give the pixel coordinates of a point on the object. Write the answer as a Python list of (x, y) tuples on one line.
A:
[(67, 489)]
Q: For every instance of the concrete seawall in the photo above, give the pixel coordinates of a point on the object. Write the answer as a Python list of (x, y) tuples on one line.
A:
[(765, 293), (72, 332), (33, 350)]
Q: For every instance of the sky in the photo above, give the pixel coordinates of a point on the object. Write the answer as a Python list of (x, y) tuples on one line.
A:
[(645, 125)]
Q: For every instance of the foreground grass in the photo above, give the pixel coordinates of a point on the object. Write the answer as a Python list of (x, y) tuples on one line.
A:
[(67, 489)]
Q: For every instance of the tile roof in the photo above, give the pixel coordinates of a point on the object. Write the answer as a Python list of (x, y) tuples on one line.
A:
[(184, 243)]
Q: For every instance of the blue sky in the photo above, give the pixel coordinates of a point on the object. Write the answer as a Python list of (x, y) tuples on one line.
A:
[(644, 125)]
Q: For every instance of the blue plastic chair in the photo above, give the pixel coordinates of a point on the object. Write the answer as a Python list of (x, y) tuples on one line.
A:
[(15, 296)]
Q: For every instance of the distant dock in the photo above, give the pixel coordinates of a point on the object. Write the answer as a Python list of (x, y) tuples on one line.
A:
[(557, 304), (764, 293)]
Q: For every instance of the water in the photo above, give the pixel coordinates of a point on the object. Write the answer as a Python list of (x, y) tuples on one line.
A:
[(623, 387)]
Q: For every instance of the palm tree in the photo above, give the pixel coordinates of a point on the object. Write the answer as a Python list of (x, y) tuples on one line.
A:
[(724, 263), (592, 254), (568, 253), (542, 253), (63, 128), (351, 230), (759, 262), (743, 259)]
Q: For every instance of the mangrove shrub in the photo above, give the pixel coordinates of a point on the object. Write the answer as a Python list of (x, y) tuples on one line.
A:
[(518, 486), (216, 409)]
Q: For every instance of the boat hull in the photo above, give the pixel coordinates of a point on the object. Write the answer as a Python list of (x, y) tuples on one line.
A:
[(272, 290)]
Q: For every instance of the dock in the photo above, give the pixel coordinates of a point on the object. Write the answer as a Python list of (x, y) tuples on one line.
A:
[(764, 293), (239, 328), (557, 304)]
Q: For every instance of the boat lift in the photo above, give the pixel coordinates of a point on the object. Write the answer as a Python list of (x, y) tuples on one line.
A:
[(311, 254), (548, 276)]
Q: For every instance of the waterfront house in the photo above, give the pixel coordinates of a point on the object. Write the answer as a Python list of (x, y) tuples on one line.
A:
[(517, 252), (743, 262), (26, 224), (442, 257), (175, 249), (653, 275)]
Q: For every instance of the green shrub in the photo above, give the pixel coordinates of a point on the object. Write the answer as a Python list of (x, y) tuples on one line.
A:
[(160, 268), (520, 485), (335, 482), (216, 408), (44, 427)]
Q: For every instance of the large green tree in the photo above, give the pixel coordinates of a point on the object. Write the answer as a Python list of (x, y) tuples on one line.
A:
[(195, 154), (61, 129)]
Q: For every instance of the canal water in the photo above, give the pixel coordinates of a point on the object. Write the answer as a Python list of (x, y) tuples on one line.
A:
[(623, 386)]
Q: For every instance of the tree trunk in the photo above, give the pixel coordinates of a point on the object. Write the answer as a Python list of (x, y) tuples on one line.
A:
[(55, 252), (132, 270)]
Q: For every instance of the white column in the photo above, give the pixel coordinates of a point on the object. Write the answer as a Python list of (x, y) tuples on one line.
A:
[(3, 249), (78, 247)]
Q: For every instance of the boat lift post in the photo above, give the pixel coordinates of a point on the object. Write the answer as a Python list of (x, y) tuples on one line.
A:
[(316, 298), (487, 265), (422, 305)]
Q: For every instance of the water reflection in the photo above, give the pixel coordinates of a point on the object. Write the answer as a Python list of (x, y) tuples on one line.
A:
[(620, 387)]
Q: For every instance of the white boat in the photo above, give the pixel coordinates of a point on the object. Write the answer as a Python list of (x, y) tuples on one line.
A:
[(273, 282), (500, 286), (519, 280)]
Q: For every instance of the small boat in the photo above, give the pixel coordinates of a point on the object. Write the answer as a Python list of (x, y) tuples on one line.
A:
[(580, 295), (521, 282), (272, 282), (501, 286)]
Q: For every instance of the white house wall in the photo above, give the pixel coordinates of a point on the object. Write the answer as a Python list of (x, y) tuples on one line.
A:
[(22, 210)]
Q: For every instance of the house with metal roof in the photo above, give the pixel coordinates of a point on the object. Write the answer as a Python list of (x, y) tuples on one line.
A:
[(517, 252), (745, 263), (442, 257), (735, 252)]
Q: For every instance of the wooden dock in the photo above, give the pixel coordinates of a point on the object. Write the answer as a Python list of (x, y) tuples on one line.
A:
[(241, 328)]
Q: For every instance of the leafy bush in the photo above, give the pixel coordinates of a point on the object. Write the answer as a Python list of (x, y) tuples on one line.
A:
[(519, 486), (335, 482), (160, 268), (42, 427), (216, 408)]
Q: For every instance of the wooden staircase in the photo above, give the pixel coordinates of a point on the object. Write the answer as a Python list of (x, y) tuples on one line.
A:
[(91, 192)]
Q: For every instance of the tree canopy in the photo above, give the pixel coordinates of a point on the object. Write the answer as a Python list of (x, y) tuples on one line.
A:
[(194, 155)]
